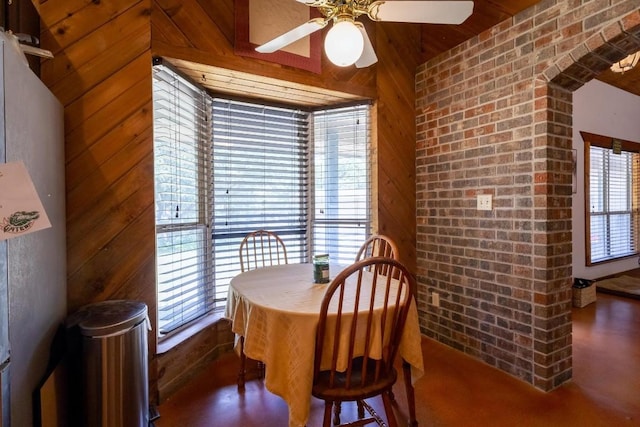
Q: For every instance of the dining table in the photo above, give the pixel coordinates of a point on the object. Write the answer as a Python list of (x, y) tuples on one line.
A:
[(276, 310)]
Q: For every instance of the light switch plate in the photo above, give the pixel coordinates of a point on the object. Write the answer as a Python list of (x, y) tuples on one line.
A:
[(484, 202)]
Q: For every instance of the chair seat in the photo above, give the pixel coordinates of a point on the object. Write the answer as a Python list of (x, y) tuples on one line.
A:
[(323, 389)]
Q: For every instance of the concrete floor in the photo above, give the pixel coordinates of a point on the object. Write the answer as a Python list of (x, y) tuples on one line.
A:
[(457, 390)]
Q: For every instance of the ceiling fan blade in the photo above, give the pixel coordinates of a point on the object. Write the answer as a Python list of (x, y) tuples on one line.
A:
[(292, 35), (368, 56), (423, 12)]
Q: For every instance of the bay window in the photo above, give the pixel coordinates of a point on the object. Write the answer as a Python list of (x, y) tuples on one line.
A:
[(225, 167)]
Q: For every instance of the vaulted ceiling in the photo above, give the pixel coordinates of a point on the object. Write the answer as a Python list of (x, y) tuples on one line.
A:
[(436, 39), (628, 81)]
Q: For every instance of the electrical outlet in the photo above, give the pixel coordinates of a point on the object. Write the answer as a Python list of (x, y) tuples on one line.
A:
[(484, 202), (435, 299)]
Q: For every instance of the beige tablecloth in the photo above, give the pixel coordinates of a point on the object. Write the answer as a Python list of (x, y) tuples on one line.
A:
[(277, 309)]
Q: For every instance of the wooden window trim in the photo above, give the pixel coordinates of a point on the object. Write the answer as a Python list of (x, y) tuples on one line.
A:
[(604, 142)]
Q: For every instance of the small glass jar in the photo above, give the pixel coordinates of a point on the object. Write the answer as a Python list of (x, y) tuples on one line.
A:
[(321, 268)]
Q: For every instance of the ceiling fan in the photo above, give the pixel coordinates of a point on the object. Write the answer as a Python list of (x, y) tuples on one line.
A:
[(347, 42)]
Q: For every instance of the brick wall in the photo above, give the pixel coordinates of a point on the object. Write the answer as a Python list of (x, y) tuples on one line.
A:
[(494, 117)]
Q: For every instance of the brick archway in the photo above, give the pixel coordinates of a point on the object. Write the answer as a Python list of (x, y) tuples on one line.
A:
[(553, 118)]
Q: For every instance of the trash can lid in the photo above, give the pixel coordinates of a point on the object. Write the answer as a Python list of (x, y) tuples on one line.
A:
[(106, 318)]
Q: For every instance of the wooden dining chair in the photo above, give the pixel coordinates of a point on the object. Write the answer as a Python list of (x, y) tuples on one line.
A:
[(378, 245), (352, 361), (260, 248)]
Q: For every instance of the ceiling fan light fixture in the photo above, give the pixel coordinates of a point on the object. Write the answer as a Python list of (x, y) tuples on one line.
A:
[(344, 43), (347, 42), (626, 64)]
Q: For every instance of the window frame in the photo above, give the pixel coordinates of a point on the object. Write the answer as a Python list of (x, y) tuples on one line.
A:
[(347, 227), (180, 135), (238, 229), (608, 143), (311, 217)]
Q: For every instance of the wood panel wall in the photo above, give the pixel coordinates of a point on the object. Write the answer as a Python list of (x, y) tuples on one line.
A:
[(102, 74), (397, 48)]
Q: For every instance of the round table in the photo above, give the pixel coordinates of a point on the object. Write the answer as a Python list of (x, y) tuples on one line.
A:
[(276, 309)]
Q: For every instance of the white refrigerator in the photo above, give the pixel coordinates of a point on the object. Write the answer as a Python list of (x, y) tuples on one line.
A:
[(33, 290)]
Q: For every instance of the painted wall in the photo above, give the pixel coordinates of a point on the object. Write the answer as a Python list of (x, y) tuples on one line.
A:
[(603, 110)]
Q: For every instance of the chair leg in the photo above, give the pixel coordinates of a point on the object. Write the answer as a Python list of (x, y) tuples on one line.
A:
[(360, 409), (411, 399), (388, 409), (243, 363), (337, 410), (326, 422)]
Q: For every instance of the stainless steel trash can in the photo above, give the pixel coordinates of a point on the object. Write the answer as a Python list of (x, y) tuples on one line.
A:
[(115, 385)]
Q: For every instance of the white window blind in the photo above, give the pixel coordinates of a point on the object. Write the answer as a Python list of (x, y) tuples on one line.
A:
[(342, 211), (613, 198), (224, 168), (181, 161), (260, 180)]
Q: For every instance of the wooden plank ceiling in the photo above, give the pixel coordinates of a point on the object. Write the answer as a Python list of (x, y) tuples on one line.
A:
[(628, 81), (435, 39)]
